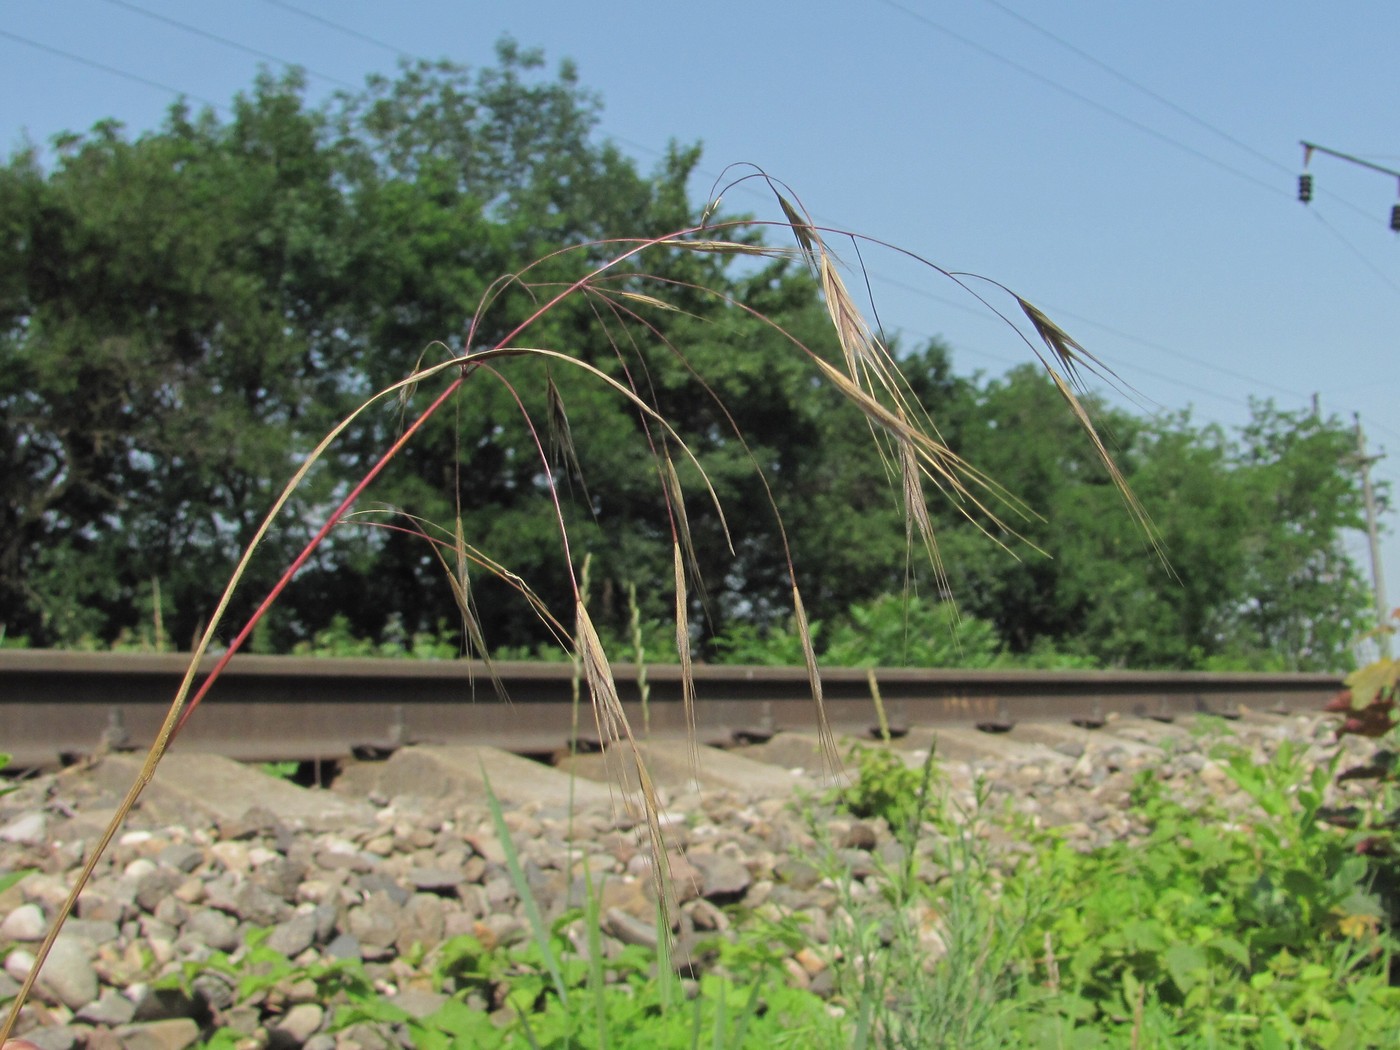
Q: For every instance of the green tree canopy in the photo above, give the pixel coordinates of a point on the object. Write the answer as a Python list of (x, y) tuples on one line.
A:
[(1253, 569), (186, 312)]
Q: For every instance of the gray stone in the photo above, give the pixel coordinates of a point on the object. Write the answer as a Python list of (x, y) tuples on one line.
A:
[(52, 1037), (501, 930), (68, 975), (294, 936), (214, 929), (112, 900), (797, 873), (28, 829), (376, 883), (94, 931), (246, 901), (435, 880), (257, 820), (280, 877), (365, 1036), (419, 1002), (164, 1004), (721, 878), (155, 886), (25, 923), (111, 1008), (181, 856), (345, 946), (215, 990), (375, 923), (859, 835), (244, 1019), (629, 930), (295, 1027), (325, 916), (177, 1033), (421, 922)]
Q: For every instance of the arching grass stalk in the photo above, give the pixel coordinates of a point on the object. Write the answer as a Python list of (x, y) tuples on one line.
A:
[(867, 377)]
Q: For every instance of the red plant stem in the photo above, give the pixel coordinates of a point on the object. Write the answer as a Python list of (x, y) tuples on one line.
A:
[(310, 548), (374, 472)]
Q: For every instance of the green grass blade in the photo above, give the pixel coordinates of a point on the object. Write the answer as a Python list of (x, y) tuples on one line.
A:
[(522, 889)]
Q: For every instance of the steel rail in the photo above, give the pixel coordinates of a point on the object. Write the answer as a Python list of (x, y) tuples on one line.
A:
[(58, 706)]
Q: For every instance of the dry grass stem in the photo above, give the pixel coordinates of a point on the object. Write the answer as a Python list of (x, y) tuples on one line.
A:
[(862, 370)]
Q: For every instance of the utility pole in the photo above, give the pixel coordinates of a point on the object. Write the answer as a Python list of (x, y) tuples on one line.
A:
[(1363, 463), (1360, 457)]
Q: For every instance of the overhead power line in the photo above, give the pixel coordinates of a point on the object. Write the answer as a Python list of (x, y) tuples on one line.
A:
[(113, 70), (195, 30), (1137, 86), (1080, 97), (1174, 380), (338, 27)]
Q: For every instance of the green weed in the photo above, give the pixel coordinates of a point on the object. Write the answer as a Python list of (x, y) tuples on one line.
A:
[(1217, 930)]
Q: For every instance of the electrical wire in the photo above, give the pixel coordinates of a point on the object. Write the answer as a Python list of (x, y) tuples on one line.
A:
[(93, 64), (1077, 96), (1137, 86), (255, 52), (1082, 98), (338, 27)]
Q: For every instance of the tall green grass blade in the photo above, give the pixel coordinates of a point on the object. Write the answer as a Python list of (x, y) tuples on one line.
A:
[(522, 889), (750, 1011), (597, 977)]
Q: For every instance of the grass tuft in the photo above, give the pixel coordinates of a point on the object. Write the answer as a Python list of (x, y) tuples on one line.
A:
[(619, 293)]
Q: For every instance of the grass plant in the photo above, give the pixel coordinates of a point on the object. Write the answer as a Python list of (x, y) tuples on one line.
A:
[(628, 301), (1252, 927), (927, 953)]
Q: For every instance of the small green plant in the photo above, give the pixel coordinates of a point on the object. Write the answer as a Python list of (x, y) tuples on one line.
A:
[(1369, 700), (924, 950), (885, 786), (1367, 707), (1217, 930), (340, 640), (907, 631)]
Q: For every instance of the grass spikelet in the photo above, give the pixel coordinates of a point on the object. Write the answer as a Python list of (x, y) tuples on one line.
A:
[(561, 435), (867, 377), (916, 514), (460, 580), (814, 682), (1070, 384), (803, 230), (614, 730), (683, 656), (1067, 350)]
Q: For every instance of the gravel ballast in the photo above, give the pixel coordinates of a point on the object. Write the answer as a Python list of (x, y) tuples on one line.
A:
[(382, 877)]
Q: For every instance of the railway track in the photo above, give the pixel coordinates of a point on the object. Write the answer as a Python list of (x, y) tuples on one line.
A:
[(57, 707)]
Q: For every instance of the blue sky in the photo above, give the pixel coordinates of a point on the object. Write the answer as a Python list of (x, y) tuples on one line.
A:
[(1129, 167)]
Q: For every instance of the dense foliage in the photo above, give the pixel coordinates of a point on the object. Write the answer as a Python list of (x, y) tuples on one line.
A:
[(184, 313), (1241, 927)]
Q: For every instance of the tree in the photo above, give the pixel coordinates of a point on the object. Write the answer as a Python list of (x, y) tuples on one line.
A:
[(191, 310), (1251, 527), (195, 307), (160, 355)]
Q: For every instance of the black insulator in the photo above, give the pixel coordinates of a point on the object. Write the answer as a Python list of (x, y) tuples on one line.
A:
[(1395, 218), (1305, 188)]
